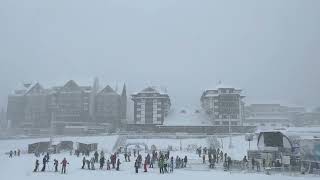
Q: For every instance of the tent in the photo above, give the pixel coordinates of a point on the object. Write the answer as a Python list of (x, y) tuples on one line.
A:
[(82, 147), (39, 147)]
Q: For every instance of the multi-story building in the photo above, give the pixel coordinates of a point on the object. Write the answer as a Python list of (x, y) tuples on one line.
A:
[(65, 108), (110, 107), (27, 107), (307, 119), (151, 106), (69, 106), (224, 104), (270, 116), (3, 119)]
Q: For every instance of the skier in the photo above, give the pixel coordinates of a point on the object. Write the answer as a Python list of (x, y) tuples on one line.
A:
[(96, 157), (136, 166), (44, 162), (102, 161), (118, 165), (228, 163), (108, 165), (92, 163), (36, 166), (10, 154), (64, 166), (171, 164), (55, 165), (83, 162), (145, 165), (245, 162), (161, 164), (88, 163), (185, 161)]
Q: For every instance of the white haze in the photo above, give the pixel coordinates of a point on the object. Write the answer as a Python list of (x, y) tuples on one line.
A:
[(269, 48)]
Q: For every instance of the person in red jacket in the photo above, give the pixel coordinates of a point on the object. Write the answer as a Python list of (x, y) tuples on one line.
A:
[(145, 165), (64, 166)]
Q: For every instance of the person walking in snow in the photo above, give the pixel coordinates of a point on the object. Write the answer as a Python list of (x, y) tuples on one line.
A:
[(36, 166), (118, 165), (64, 166), (92, 163), (185, 161), (136, 166), (18, 152), (83, 162), (145, 165), (203, 158), (102, 161), (88, 163), (96, 157), (10, 154), (108, 164), (55, 165), (44, 162), (161, 165)]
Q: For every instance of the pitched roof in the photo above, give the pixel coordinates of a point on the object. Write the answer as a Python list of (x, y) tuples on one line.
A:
[(107, 90), (71, 86), (35, 89)]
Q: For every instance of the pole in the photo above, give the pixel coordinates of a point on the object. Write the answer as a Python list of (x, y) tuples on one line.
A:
[(230, 141)]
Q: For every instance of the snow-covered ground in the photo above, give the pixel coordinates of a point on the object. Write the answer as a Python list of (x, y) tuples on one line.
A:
[(21, 167)]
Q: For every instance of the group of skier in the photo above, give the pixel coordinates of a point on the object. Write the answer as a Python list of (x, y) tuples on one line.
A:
[(45, 162), (14, 153), (113, 160)]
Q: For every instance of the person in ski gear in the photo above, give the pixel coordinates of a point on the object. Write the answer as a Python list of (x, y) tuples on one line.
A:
[(185, 161), (108, 164), (136, 166), (88, 163), (102, 161), (44, 162), (92, 163), (161, 165), (83, 162), (118, 165), (36, 166), (64, 166), (55, 165), (10, 154), (145, 165), (171, 164), (96, 157)]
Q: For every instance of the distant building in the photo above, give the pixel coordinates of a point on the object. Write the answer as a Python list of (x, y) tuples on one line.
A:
[(307, 119), (69, 106), (3, 119), (110, 107), (271, 116), (151, 106), (224, 104), (27, 107), (65, 108)]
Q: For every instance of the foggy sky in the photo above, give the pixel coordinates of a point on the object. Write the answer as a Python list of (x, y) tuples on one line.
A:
[(269, 48)]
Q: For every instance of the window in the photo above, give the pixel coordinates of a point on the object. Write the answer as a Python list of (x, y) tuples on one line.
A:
[(225, 123)]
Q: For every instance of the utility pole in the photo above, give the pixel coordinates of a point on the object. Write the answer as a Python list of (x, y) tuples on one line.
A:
[(230, 135)]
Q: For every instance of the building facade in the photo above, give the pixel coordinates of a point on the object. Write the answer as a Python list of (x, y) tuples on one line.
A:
[(224, 105), (307, 119), (64, 108), (271, 116), (151, 106), (110, 107)]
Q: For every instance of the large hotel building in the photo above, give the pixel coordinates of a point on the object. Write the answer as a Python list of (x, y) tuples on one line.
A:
[(151, 106), (224, 104)]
